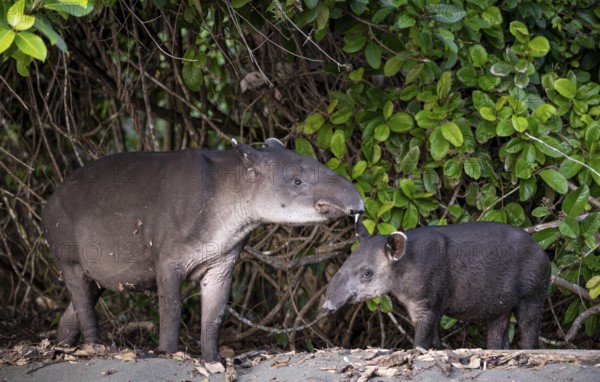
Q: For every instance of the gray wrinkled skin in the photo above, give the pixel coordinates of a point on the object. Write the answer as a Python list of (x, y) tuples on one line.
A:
[(472, 271), (146, 221)]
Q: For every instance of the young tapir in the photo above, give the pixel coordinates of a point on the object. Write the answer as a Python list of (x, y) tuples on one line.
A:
[(472, 271), (146, 221)]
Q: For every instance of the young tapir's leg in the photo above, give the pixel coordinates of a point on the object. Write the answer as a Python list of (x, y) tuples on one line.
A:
[(68, 328), (168, 282), (528, 320), (84, 295), (497, 332), (215, 288)]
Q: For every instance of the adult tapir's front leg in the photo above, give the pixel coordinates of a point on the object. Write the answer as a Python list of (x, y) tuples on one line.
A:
[(215, 289), (169, 278)]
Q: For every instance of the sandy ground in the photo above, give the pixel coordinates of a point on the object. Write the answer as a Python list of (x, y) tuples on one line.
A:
[(24, 364)]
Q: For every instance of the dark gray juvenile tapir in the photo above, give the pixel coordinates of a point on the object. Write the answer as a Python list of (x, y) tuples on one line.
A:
[(146, 221), (471, 271)]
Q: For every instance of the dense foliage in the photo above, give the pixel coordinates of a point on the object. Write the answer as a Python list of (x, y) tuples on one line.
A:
[(440, 112)]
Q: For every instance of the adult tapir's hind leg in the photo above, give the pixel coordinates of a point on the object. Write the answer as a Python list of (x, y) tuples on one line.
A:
[(80, 315)]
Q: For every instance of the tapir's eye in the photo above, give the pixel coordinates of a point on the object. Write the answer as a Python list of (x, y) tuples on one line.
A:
[(297, 181), (367, 274)]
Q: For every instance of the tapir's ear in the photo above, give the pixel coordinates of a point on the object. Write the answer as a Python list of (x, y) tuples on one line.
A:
[(360, 229), (274, 143), (250, 157), (395, 246)]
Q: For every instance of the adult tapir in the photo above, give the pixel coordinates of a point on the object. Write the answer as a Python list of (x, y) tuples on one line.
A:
[(146, 221), (471, 271)]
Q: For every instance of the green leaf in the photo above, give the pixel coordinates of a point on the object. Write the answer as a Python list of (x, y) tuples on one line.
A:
[(414, 73), (411, 160), (388, 109), (569, 227), (593, 282), (310, 4), (519, 123), (358, 169), (543, 112), (408, 187), (240, 3), (481, 99), (540, 212), (492, 15), (539, 46), (447, 38), (521, 80), (303, 147), (32, 45), (385, 207), (401, 122), (313, 123), (354, 43), (439, 146), (555, 180), (393, 65), (44, 26), (478, 55), (446, 13), (488, 113), (382, 132), (572, 311), (519, 30), (515, 214), (501, 69), (373, 303), (386, 304), (426, 119), (411, 217), (565, 88), (527, 188), (522, 169), (341, 116), (74, 8), (452, 169), (405, 21), (431, 180), (7, 36), (488, 82), (338, 144), (385, 228), (472, 168), (192, 77), (444, 85), (575, 202), (504, 128), (546, 237), (356, 75), (595, 292), (452, 133), (373, 55), (570, 168), (447, 322), (17, 18)]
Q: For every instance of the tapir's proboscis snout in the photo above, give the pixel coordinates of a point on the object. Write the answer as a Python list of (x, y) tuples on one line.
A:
[(472, 271), (333, 208), (152, 228)]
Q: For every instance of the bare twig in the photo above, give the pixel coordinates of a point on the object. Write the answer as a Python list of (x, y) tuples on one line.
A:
[(579, 322), (561, 153), (575, 289)]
